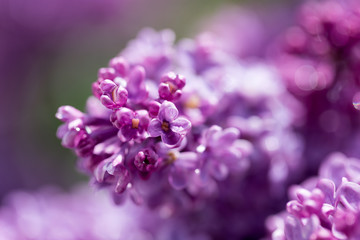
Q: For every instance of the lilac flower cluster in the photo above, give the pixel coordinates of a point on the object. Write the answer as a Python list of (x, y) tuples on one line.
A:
[(323, 207), (319, 61), (188, 126), (192, 129), (83, 214)]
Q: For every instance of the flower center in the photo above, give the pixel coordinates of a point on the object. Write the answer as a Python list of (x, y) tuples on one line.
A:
[(165, 126), (135, 123), (171, 157), (146, 161)]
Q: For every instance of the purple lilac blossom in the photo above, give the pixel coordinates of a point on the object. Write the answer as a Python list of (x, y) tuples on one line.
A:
[(83, 214), (168, 125), (323, 207), (211, 130), (318, 60)]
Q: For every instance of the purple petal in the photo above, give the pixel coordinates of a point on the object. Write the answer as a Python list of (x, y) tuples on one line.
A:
[(219, 171), (328, 188), (106, 73), (201, 177), (170, 137), (349, 195), (144, 119), (120, 65), (168, 111), (124, 116), (295, 208), (120, 96), (136, 84), (68, 113), (229, 135), (327, 210), (154, 108), (180, 125), (107, 86), (100, 170), (210, 134), (123, 180), (180, 81), (72, 138), (353, 170), (177, 94), (154, 128), (177, 178), (128, 133), (107, 101), (295, 230), (137, 77), (169, 77), (164, 91), (62, 130), (187, 160), (95, 87), (334, 168)]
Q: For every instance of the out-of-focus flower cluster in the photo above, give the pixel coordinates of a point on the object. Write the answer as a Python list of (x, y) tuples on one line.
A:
[(319, 61), (83, 214), (323, 207)]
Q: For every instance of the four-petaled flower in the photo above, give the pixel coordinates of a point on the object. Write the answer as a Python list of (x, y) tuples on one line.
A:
[(168, 125)]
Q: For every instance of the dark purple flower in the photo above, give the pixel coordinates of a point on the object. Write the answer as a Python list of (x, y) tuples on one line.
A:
[(168, 125), (146, 160)]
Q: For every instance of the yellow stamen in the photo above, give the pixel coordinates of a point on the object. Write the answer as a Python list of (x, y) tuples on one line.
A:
[(135, 123)]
